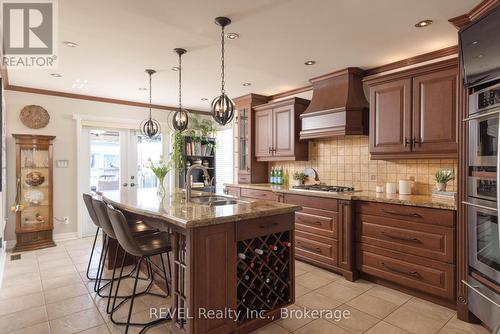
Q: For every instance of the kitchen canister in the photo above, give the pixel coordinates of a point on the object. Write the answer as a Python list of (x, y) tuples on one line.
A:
[(390, 188), (405, 187)]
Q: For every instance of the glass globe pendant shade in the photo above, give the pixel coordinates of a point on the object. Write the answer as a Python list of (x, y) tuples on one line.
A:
[(222, 109)]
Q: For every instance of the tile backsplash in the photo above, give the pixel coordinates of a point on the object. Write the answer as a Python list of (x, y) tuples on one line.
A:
[(346, 161)]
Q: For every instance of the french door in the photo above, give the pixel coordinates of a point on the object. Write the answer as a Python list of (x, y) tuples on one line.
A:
[(117, 159)]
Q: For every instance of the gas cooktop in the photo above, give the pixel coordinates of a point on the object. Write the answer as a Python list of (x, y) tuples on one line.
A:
[(325, 188)]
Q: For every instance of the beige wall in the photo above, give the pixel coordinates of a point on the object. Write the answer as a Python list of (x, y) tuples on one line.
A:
[(62, 125), (346, 161)]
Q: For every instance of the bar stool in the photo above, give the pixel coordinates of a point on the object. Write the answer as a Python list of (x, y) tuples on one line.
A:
[(143, 247), (136, 228), (87, 199)]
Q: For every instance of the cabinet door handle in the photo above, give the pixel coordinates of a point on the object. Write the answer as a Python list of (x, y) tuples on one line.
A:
[(300, 220), (401, 271), (416, 141), (312, 249), (410, 239), (404, 214), (407, 142), (125, 184), (269, 150)]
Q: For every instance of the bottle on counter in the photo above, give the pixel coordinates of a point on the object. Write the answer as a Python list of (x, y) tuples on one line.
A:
[(279, 175), (272, 176)]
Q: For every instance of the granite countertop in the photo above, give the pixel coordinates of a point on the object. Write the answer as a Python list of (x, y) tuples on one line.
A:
[(370, 196), (174, 209)]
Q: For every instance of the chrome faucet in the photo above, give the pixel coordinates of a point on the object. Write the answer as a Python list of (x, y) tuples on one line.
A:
[(188, 179)]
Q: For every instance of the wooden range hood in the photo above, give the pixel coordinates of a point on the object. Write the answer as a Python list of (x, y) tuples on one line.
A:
[(338, 106)]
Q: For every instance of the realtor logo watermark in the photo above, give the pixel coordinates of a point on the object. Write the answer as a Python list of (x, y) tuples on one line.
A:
[(29, 34)]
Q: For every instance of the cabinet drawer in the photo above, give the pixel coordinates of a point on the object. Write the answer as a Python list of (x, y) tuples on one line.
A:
[(259, 194), (233, 191), (263, 226), (318, 224), (244, 178), (428, 276), (431, 241), (316, 248), (408, 213), (329, 204)]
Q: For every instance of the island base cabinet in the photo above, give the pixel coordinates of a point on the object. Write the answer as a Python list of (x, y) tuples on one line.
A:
[(243, 267)]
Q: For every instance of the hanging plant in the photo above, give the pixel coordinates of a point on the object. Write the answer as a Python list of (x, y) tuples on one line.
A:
[(176, 155)]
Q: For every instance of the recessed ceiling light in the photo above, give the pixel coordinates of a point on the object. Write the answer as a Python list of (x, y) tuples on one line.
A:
[(232, 35), (310, 62), (423, 23), (246, 84), (204, 99), (474, 42), (70, 44), (480, 55), (143, 88), (175, 68), (56, 75)]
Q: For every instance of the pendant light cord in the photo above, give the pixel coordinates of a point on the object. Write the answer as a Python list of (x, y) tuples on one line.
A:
[(180, 82), (223, 90), (150, 74)]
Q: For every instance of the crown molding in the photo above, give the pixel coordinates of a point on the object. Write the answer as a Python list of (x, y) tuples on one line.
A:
[(475, 13)]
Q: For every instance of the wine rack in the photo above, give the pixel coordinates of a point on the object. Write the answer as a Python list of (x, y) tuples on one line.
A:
[(264, 274)]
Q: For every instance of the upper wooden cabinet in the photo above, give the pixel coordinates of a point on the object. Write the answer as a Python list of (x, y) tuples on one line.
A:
[(413, 114), (249, 169), (277, 127)]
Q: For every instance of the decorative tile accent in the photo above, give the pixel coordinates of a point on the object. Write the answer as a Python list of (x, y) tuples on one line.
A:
[(346, 161)]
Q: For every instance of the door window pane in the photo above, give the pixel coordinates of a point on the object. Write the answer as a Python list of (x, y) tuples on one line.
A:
[(104, 160), (148, 149)]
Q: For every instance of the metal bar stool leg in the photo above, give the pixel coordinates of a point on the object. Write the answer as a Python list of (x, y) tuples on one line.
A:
[(91, 255)]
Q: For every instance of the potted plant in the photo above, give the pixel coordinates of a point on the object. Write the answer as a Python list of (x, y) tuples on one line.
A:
[(299, 178), (160, 170), (442, 177)]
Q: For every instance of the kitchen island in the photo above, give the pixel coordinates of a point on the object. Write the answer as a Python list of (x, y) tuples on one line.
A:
[(231, 257)]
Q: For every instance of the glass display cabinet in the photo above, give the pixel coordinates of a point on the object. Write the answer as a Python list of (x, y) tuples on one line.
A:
[(34, 197), (249, 169)]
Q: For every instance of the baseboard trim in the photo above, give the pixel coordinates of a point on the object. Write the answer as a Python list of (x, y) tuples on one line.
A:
[(57, 237)]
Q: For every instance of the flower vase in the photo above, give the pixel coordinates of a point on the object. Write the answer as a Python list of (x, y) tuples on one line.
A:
[(160, 190)]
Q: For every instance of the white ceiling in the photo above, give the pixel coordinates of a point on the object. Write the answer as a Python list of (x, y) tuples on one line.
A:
[(118, 39)]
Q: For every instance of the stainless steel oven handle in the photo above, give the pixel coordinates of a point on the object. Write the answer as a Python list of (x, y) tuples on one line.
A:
[(476, 290), (480, 115), (479, 206)]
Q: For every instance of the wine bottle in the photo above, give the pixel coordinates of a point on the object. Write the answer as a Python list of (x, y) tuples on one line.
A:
[(286, 243), (259, 251), (243, 256), (273, 247)]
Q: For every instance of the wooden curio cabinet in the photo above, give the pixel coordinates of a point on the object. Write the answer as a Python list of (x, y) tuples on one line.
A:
[(249, 169), (34, 196)]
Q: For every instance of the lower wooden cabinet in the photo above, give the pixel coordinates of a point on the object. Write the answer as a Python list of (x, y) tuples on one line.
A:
[(323, 234), (406, 246)]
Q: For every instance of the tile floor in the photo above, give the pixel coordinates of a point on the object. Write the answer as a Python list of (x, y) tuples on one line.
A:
[(46, 291)]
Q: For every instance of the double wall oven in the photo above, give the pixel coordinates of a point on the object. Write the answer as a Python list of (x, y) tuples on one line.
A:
[(483, 203)]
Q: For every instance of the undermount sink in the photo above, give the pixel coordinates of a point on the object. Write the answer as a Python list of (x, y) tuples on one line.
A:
[(214, 200)]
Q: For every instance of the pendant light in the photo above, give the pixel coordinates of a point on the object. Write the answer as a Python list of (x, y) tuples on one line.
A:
[(180, 119), (222, 106), (150, 127)]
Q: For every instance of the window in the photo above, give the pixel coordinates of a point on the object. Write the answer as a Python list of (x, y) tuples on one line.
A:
[(224, 164)]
